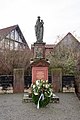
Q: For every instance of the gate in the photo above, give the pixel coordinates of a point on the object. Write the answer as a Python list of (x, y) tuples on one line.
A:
[(27, 81), (68, 80), (6, 81), (68, 83), (50, 79)]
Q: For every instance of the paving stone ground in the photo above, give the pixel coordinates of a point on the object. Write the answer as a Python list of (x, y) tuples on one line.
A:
[(12, 108)]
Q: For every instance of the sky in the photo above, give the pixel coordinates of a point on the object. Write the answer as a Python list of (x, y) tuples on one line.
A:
[(59, 16)]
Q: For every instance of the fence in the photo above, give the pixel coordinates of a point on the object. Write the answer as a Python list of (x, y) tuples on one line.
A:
[(6, 81), (68, 83)]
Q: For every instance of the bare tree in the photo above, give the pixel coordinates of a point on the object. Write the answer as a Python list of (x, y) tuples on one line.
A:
[(14, 59)]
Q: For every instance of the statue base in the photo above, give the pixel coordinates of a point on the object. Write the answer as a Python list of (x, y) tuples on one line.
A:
[(39, 70)]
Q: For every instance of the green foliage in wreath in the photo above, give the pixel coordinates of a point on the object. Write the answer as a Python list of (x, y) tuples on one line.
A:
[(41, 87)]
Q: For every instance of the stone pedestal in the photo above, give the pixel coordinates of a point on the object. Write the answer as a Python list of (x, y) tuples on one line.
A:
[(39, 50), (39, 73), (39, 70), (39, 64), (18, 83)]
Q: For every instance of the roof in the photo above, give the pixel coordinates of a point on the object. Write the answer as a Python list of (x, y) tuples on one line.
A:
[(5, 31), (67, 36), (49, 45)]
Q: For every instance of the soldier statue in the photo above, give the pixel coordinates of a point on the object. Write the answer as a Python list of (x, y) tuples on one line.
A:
[(39, 29)]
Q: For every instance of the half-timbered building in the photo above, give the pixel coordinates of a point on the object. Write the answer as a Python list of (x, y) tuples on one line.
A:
[(12, 38)]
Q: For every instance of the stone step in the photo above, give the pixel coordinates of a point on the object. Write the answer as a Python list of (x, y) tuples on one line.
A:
[(27, 99)]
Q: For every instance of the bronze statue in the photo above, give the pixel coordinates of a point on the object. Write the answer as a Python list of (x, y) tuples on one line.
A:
[(39, 30)]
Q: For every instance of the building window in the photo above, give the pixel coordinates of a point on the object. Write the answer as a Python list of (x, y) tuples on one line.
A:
[(16, 36), (13, 35), (20, 40), (16, 45), (11, 45), (8, 36)]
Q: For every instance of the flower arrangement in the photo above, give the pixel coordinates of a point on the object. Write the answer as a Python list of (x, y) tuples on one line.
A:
[(41, 93)]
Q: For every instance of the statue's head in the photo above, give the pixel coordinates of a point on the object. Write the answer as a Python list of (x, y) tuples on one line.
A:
[(38, 17)]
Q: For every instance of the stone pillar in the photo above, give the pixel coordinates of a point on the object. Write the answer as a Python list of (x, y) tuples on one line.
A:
[(18, 83), (57, 79), (77, 84)]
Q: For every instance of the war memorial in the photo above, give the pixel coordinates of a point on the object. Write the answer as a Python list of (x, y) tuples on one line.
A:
[(52, 101)]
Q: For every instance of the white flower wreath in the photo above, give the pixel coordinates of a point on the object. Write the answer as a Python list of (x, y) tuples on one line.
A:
[(41, 93)]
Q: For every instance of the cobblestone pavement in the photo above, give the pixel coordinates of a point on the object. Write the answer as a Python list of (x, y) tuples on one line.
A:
[(12, 108)]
